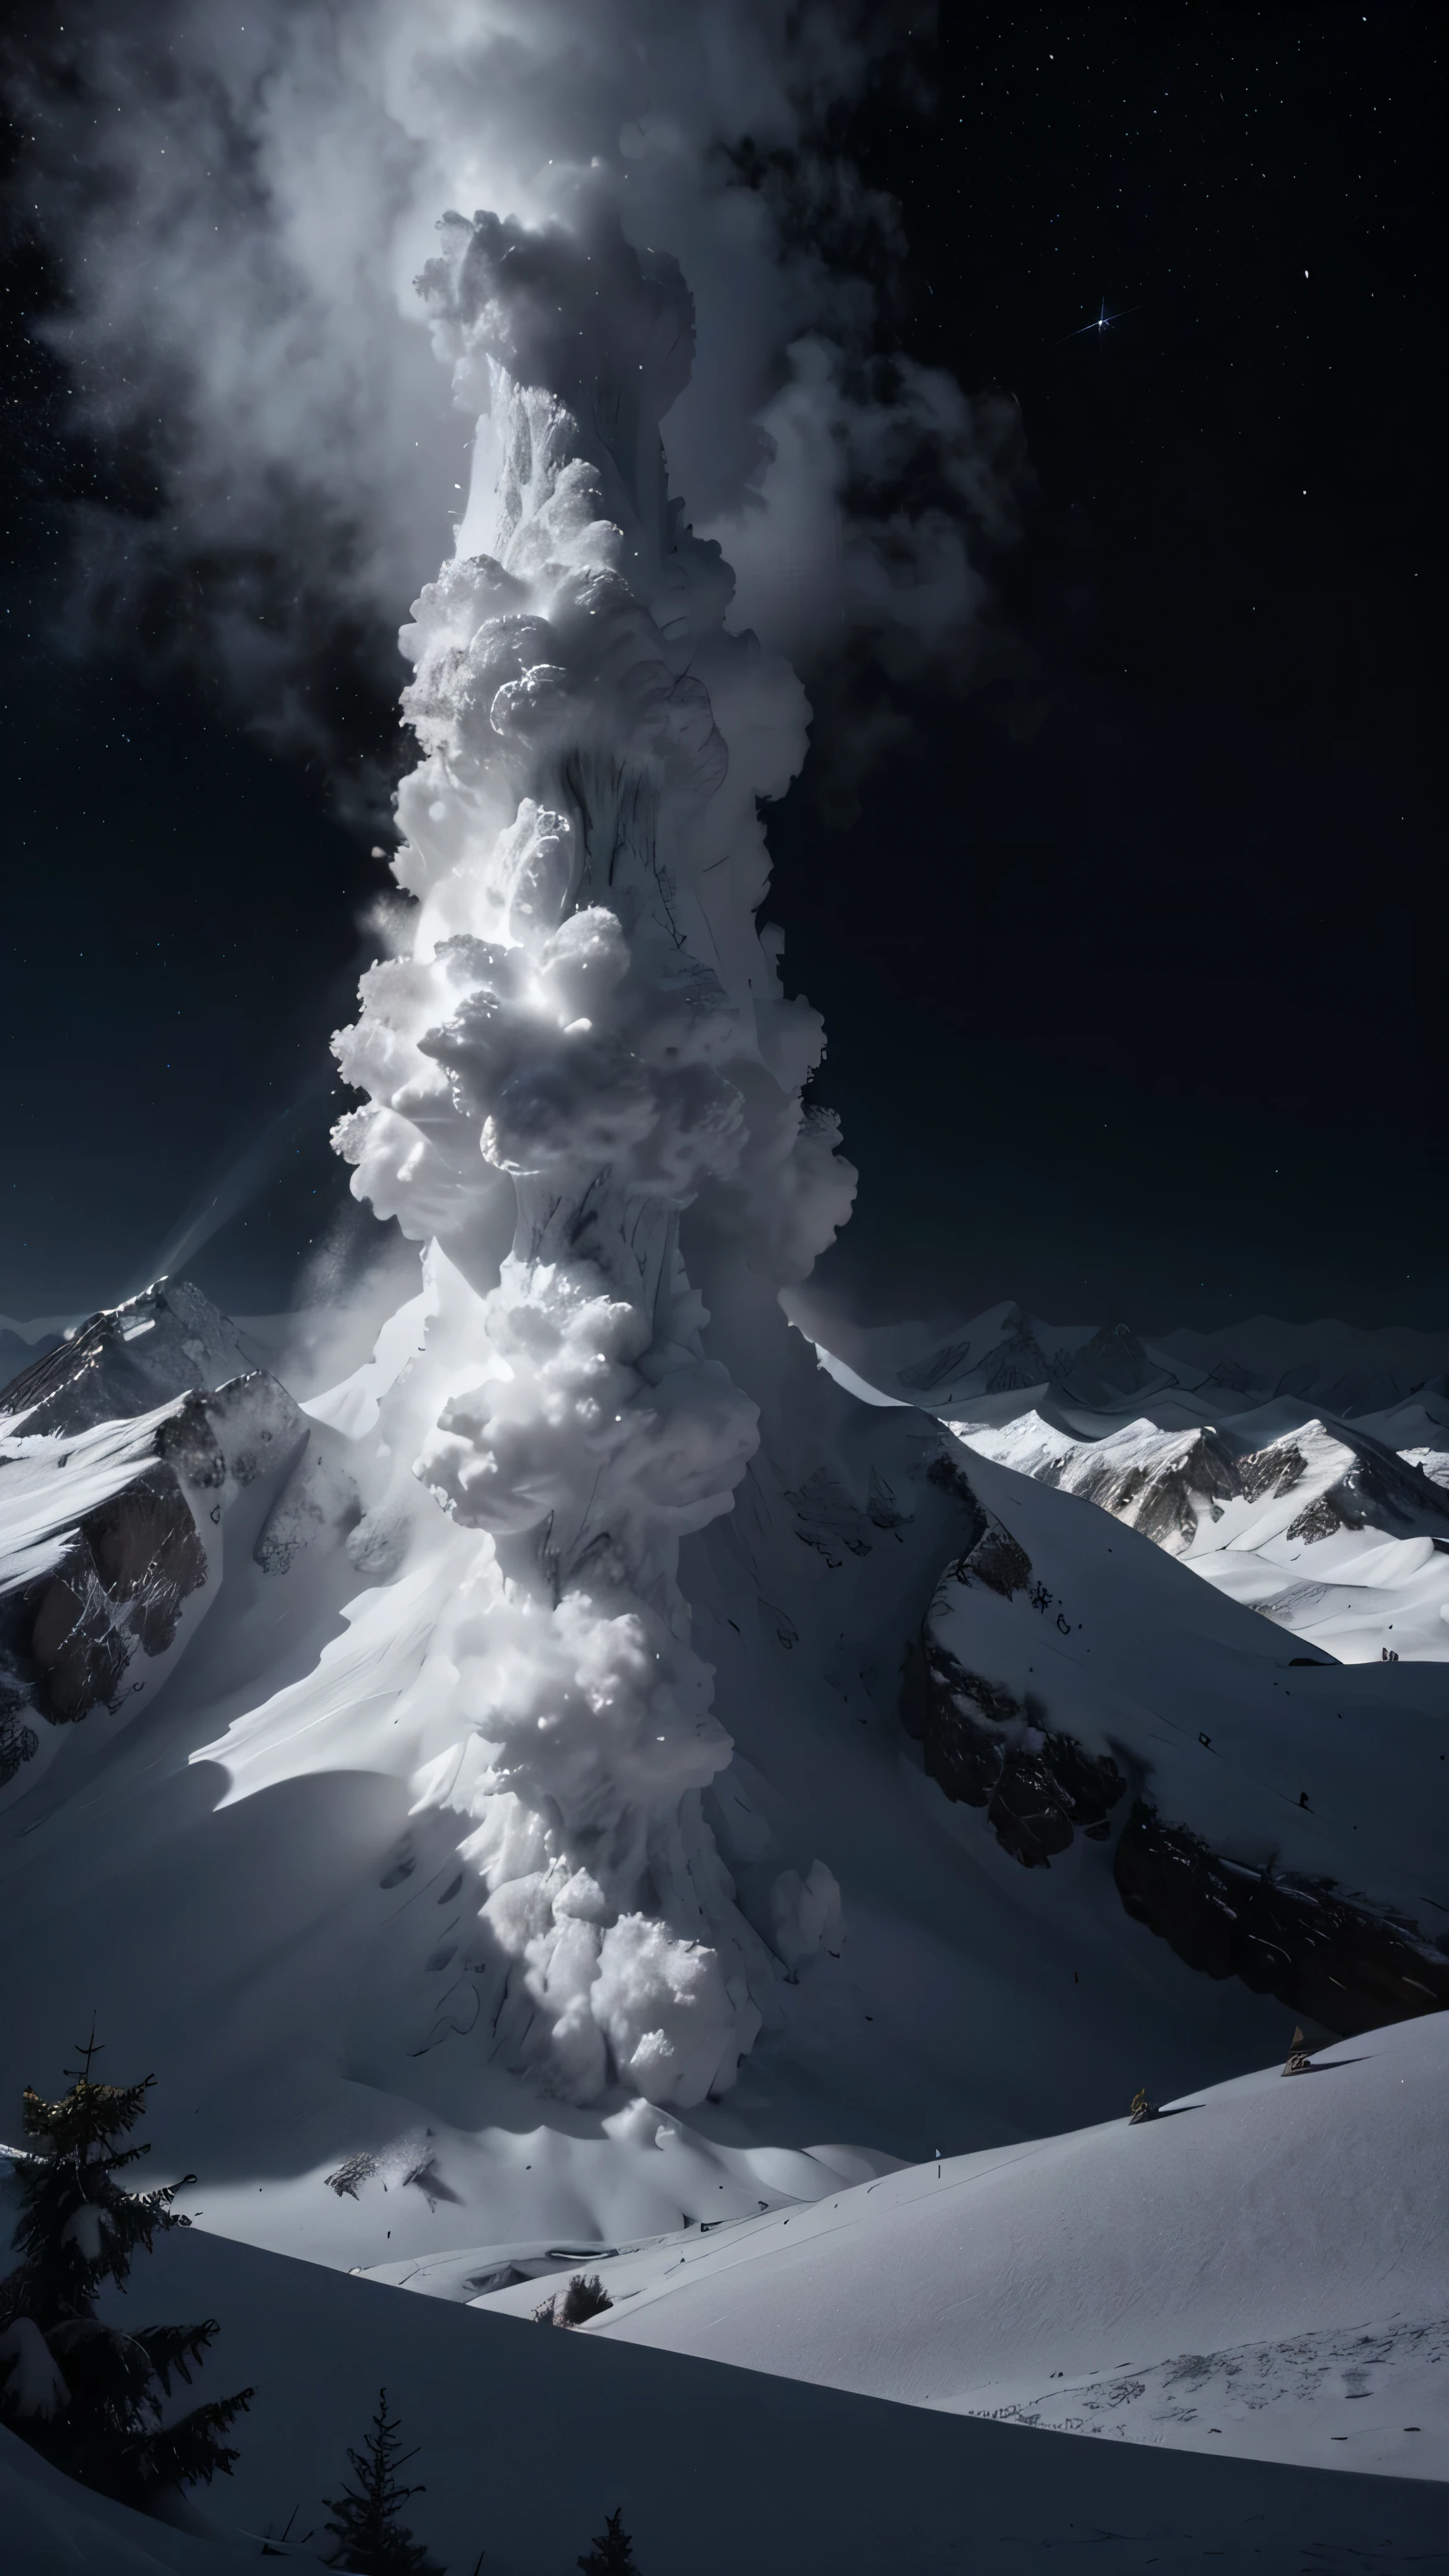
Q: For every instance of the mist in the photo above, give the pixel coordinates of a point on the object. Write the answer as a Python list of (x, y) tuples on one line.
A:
[(241, 208)]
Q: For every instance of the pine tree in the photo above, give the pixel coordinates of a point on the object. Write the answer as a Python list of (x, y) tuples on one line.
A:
[(613, 2551), (372, 2540), (90, 2396), (575, 2305)]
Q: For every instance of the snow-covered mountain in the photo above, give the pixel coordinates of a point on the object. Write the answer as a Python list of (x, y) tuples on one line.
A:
[(1340, 1369), (122, 1454), (582, 1770), (1304, 1471), (1000, 1766)]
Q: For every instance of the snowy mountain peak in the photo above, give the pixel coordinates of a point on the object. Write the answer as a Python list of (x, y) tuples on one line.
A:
[(127, 1359), (122, 1453)]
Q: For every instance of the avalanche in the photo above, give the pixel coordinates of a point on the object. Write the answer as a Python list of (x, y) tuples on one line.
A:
[(592, 1775)]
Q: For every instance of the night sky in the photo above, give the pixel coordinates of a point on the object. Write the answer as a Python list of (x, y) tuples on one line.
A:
[(1148, 1022)]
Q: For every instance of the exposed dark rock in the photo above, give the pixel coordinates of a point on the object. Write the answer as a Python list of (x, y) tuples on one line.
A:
[(827, 1519), (950, 1477), (79, 1635), (1321, 1517), (19, 1744), (128, 1360), (76, 1649), (146, 1551), (1275, 1470), (1167, 1498), (882, 1509), (988, 1749), (16, 1353), (1320, 1952), (1381, 1482), (120, 1589), (996, 1559), (1376, 1486)]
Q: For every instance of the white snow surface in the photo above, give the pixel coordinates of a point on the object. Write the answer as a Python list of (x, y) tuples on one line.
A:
[(1262, 2269), (528, 2437), (1358, 1594), (50, 1479), (1119, 1419)]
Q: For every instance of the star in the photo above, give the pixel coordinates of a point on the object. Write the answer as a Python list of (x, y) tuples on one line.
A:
[(1102, 323)]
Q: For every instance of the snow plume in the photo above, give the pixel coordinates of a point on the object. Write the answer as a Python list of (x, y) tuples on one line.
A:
[(242, 199), (581, 1036)]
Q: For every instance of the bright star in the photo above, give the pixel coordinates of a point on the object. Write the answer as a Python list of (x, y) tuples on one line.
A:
[(1103, 322)]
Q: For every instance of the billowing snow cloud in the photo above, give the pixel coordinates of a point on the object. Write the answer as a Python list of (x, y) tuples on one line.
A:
[(580, 1038), (243, 200)]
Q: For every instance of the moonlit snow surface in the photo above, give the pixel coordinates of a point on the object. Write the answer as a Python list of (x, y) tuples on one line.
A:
[(1265, 2268), (525, 2431)]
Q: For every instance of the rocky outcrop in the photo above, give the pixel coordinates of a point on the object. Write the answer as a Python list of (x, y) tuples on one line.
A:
[(127, 1360), (115, 1482), (1039, 1692), (1333, 1956), (986, 1747), (1163, 1495), (1169, 1483), (117, 1594)]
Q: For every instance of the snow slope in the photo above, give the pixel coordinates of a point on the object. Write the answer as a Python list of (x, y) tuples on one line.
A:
[(264, 1897), (267, 1900), (52, 2527), (1311, 1523), (1264, 2270), (528, 2437), (1301, 1470)]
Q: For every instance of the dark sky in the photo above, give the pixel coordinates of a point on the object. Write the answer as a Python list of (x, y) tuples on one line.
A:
[(1148, 1024)]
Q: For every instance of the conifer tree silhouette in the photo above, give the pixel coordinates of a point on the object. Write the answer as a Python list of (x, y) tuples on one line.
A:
[(575, 2305), (372, 2539), (613, 2551), (90, 2396)]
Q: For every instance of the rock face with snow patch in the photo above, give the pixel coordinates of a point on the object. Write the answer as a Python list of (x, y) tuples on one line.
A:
[(1048, 1679), (987, 1747), (1321, 1526), (1350, 1965), (120, 1454), (128, 1359)]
